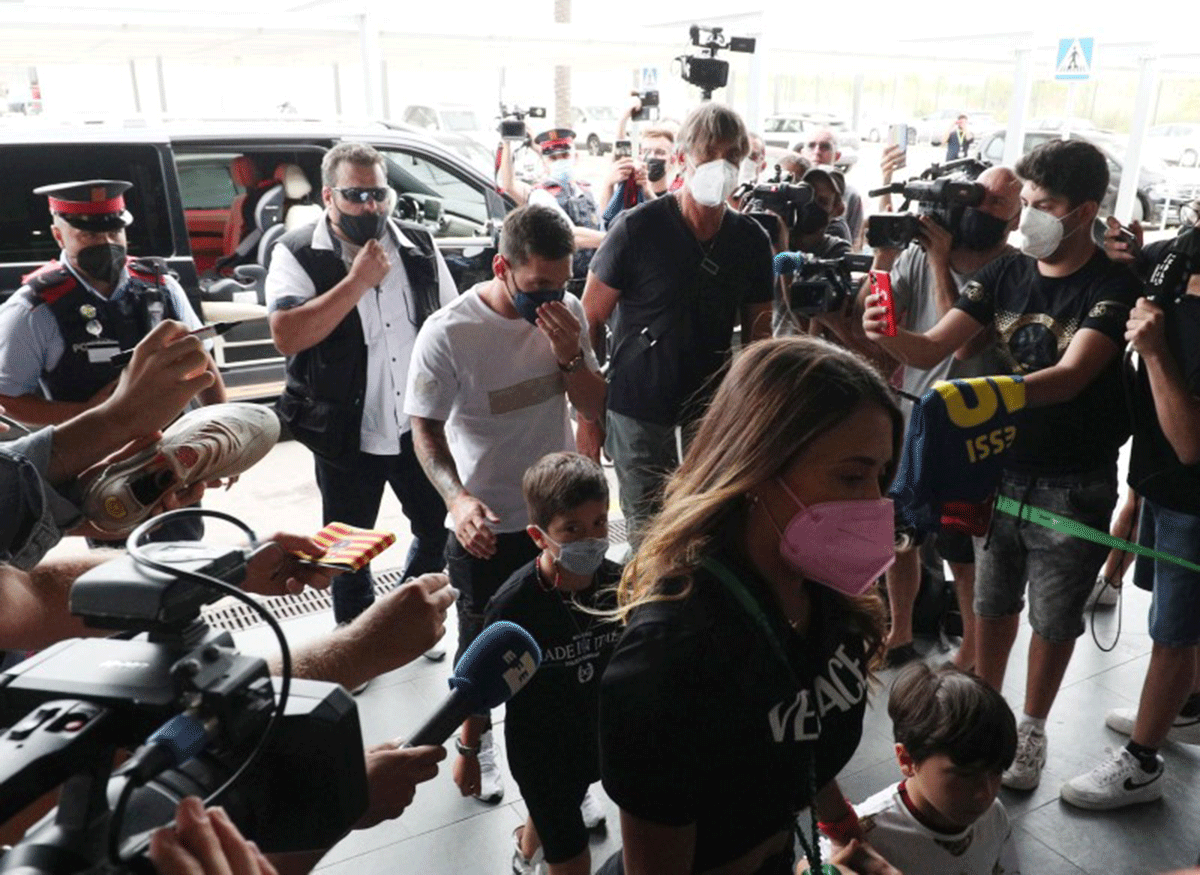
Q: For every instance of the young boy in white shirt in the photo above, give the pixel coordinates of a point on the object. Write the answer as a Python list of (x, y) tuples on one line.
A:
[(954, 737)]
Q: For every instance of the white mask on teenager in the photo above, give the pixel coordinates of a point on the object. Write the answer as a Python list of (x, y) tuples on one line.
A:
[(713, 181), (1041, 232)]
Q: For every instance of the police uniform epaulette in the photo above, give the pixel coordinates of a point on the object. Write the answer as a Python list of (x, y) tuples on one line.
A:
[(50, 282)]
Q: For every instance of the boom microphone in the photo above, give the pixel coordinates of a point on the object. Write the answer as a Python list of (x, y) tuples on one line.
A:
[(496, 665)]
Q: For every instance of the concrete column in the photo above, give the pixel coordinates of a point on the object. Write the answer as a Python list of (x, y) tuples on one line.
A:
[(1018, 108), (368, 32), (1147, 86)]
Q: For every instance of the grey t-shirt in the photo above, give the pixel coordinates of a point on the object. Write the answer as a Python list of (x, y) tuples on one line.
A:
[(916, 311)]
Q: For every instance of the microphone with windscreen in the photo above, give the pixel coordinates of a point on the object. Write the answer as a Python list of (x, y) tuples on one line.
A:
[(496, 665)]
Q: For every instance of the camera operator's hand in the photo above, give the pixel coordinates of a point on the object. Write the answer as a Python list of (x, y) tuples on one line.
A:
[(393, 773), (936, 241), (275, 569), (371, 265), (205, 843), (1118, 245), (1146, 330)]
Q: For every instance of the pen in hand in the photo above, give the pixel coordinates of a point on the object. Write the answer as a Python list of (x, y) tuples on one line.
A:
[(203, 333)]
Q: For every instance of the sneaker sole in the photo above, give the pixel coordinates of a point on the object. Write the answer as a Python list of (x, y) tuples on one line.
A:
[(109, 502), (1137, 797)]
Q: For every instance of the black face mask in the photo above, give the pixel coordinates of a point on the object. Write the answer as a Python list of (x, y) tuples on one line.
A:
[(656, 169), (813, 217), (980, 231), (360, 229), (102, 261)]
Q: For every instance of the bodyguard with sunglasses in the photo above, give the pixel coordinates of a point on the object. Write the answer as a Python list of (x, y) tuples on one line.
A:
[(347, 295)]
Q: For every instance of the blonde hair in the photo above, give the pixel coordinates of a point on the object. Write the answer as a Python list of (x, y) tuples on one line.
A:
[(777, 398), (712, 124)]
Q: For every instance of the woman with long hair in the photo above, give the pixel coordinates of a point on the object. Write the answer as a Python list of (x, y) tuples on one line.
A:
[(738, 689)]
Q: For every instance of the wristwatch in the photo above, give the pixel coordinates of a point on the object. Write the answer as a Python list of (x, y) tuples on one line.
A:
[(573, 365), (466, 750)]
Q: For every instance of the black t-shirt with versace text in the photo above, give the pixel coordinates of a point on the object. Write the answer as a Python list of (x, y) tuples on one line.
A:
[(701, 723)]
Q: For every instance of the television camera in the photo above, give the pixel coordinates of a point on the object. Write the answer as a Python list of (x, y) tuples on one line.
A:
[(216, 728), (820, 285), (942, 192), (512, 120), (704, 69), (780, 198)]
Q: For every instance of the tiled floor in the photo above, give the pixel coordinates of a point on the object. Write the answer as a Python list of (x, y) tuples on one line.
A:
[(444, 834)]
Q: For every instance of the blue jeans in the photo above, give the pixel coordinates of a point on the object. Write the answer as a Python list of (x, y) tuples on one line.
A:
[(351, 491), (1175, 605)]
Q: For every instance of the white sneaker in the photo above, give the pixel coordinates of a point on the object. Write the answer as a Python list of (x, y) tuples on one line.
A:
[(1118, 781), (593, 815), (209, 443), (1026, 769), (491, 785), (1104, 594), (1185, 730), (535, 865)]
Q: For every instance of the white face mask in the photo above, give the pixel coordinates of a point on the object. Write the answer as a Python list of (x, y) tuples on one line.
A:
[(747, 171), (713, 181), (1041, 232)]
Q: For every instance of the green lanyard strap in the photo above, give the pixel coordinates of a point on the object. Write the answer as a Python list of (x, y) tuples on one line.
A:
[(1076, 529), (750, 605)]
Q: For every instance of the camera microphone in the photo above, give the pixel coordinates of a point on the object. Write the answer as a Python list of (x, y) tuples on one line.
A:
[(790, 262), (496, 665)]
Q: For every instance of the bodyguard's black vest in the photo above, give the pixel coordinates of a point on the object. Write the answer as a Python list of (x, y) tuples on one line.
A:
[(322, 399), (583, 212), (126, 320)]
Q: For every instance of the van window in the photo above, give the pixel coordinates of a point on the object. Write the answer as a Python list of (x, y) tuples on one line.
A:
[(436, 188), (25, 217)]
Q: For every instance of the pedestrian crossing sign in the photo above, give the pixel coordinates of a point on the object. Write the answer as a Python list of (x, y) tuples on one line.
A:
[(1074, 61)]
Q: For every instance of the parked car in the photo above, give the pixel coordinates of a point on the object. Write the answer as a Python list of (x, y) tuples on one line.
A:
[(460, 119), (789, 131), (1154, 186), (595, 127), (186, 197), (1177, 143)]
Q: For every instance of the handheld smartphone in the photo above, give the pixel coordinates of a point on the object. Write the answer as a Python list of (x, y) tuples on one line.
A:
[(898, 136), (623, 149), (881, 286)]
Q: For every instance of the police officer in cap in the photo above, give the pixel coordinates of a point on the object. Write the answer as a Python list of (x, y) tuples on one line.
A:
[(60, 329), (561, 190)]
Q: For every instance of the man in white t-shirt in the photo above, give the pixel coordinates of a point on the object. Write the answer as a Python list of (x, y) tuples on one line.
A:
[(488, 386)]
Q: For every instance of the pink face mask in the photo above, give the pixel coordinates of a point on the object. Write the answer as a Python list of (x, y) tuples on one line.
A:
[(844, 545)]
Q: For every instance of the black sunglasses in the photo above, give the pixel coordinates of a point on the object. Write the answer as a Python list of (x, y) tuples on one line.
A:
[(362, 195)]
